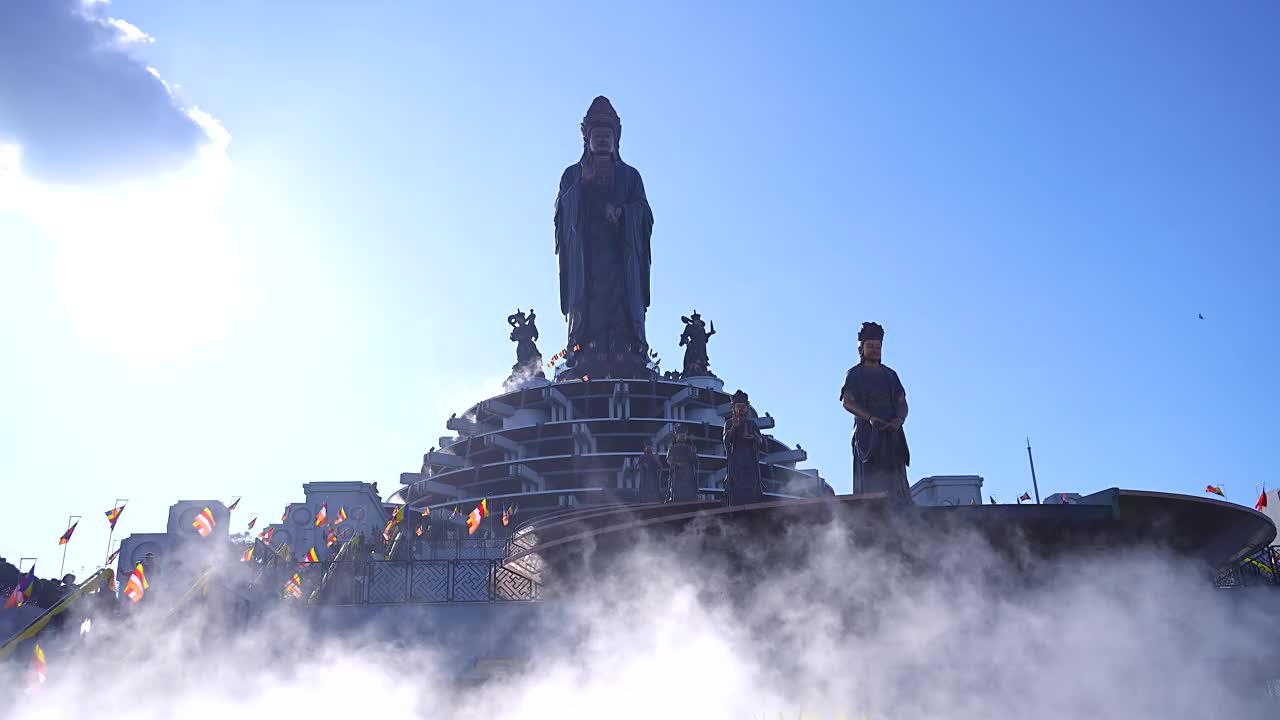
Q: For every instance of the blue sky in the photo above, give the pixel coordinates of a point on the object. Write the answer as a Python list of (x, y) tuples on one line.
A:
[(1035, 202)]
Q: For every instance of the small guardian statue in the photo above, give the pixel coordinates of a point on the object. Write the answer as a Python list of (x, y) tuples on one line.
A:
[(682, 459), (524, 333), (694, 340), (650, 475), (742, 442), (874, 395)]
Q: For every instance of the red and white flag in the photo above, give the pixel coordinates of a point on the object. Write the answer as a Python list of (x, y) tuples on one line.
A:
[(137, 584), (204, 522)]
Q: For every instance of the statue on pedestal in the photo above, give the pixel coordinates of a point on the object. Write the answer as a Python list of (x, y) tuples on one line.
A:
[(694, 340), (524, 333), (602, 225), (874, 395), (682, 459), (742, 442), (650, 475)]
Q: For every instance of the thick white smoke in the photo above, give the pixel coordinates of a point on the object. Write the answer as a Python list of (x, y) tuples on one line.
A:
[(846, 632)]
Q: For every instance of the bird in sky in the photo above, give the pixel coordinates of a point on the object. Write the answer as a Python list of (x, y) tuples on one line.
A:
[(1201, 316)]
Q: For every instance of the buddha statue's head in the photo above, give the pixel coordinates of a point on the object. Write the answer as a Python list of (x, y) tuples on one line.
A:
[(601, 129)]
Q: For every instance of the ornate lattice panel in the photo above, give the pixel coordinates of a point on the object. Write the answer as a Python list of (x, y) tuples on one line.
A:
[(512, 586), (471, 580), (430, 582), (387, 582)]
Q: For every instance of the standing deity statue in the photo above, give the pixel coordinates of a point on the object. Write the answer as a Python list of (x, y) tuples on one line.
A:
[(874, 395), (742, 442), (602, 225), (682, 458), (650, 475), (694, 340), (524, 333)]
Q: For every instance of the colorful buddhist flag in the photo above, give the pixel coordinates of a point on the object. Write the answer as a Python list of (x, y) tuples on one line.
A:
[(311, 556), (285, 516), (233, 505), (1024, 497), (342, 515), (112, 557), (398, 515), (204, 522), (252, 521), (426, 512), (265, 535), (418, 532), (1262, 500), (1215, 490), (330, 537), (137, 584), (66, 536), (41, 669), (248, 555), (480, 513), (293, 587), (322, 515), (506, 516), (113, 515), (22, 592), (386, 531)]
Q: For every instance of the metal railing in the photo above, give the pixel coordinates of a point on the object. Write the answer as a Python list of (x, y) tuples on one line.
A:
[(1261, 569), (394, 582)]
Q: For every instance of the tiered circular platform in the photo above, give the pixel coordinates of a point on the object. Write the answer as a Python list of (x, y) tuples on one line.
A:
[(552, 446)]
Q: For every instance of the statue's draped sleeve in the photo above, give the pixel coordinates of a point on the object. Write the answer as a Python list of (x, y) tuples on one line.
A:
[(638, 217), (567, 252)]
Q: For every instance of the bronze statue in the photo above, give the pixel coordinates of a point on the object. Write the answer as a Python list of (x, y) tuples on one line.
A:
[(650, 475), (524, 333), (603, 224), (742, 442), (694, 340), (682, 459), (874, 395)]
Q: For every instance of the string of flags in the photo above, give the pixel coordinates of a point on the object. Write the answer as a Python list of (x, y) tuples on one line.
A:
[(561, 355)]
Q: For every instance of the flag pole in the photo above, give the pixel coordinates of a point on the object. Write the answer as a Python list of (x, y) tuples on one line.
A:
[(1034, 484), (63, 566), (113, 525)]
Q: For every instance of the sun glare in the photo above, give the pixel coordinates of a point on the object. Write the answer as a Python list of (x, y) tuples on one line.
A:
[(145, 269)]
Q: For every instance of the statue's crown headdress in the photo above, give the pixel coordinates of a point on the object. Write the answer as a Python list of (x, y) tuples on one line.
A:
[(739, 397), (871, 331), (601, 113)]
